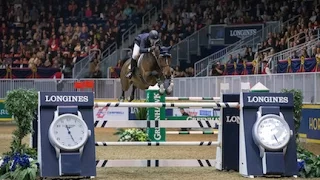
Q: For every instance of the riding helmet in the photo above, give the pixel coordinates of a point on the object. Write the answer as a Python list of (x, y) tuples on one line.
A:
[(153, 34)]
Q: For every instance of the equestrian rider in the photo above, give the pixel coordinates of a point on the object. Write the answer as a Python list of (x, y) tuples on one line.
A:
[(143, 43)]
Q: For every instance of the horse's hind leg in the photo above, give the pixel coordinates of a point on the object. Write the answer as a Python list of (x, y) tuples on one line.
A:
[(125, 84), (121, 99), (131, 98)]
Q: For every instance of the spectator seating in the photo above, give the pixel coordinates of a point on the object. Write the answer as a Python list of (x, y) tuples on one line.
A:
[(46, 36)]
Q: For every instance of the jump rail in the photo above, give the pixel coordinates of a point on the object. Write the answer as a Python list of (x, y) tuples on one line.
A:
[(157, 163), (192, 98), (168, 105), (155, 123), (171, 143), (190, 132)]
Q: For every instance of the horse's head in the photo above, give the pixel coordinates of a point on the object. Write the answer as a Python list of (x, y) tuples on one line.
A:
[(165, 61)]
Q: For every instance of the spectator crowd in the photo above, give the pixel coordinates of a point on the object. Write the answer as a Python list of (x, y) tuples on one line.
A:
[(301, 30), (58, 34)]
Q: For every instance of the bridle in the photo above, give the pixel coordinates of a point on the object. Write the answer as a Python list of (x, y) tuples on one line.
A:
[(166, 57), (157, 56)]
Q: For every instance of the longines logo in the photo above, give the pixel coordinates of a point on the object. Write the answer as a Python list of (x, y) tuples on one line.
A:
[(66, 98), (243, 33), (267, 99)]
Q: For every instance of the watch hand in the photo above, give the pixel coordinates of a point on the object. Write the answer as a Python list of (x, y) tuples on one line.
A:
[(275, 138), (69, 133)]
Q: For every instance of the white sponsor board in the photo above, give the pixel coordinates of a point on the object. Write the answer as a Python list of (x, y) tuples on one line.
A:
[(111, 113), (197, 112)]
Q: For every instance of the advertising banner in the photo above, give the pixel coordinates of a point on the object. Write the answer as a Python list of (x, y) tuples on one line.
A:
[(195, 118), (233, 34), (111, 113), (197, 112), (310, 123), (4, 115)]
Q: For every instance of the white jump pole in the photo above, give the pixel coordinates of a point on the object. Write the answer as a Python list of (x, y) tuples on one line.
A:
[(168, 105), (155, 123), (170, 143), (192, 98), (157, 163)]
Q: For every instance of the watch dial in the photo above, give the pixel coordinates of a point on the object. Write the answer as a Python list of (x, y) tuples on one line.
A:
[(272, 132), (69, 131)]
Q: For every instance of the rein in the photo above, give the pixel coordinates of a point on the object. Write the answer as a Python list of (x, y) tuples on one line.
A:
[(157, 58)]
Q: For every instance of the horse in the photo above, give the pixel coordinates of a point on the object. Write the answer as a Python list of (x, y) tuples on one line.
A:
[(152, 68)]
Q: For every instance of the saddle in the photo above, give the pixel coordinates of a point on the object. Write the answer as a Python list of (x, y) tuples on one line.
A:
[(137, 71)]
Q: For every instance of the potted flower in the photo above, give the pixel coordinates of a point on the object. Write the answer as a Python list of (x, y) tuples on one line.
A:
[(20, 162)]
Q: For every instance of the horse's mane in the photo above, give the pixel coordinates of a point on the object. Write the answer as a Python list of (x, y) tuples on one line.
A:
[(157, 52)]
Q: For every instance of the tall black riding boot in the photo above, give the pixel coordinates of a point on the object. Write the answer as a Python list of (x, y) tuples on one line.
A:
[(133, 66)]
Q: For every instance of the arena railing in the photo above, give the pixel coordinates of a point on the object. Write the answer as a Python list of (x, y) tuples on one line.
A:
[(208, 86), (288, 52), (147, 17), (271, 27), (292, 38), (283, 55), (222, 56), (109, 50), (83, 64), (190, 45), (129, 35), (200, 66), (223, 60), (84, 72)]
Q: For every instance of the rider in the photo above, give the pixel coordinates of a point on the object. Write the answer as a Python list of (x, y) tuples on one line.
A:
[(143, 43)]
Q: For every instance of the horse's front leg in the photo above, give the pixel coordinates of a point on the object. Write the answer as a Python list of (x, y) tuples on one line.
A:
[(170, 88), (161, 85), (159, 80), (131, 98)]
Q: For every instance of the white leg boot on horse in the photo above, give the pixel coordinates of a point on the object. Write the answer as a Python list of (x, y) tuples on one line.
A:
[(161, 86)]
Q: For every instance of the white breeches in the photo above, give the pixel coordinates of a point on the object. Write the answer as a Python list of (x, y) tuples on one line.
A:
[(136, 52)]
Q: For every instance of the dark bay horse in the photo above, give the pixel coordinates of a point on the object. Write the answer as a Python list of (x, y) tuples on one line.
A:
[(152, 68)]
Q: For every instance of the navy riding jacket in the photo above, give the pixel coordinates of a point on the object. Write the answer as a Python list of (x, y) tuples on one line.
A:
[(143, 42)]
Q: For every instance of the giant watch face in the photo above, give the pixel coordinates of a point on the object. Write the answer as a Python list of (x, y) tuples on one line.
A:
[(272, 132), (68, 132)]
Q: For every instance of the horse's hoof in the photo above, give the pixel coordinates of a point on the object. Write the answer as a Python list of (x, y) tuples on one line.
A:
[(161, 91), (121, 99), (168, 92), (130, 99)]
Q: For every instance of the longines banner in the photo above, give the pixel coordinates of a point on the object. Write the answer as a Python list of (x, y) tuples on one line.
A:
[(233, 34)]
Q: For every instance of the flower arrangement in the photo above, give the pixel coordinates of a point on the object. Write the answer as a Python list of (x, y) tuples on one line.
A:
[(126, 135), (20, 162), (18, 167), (133, 135)]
